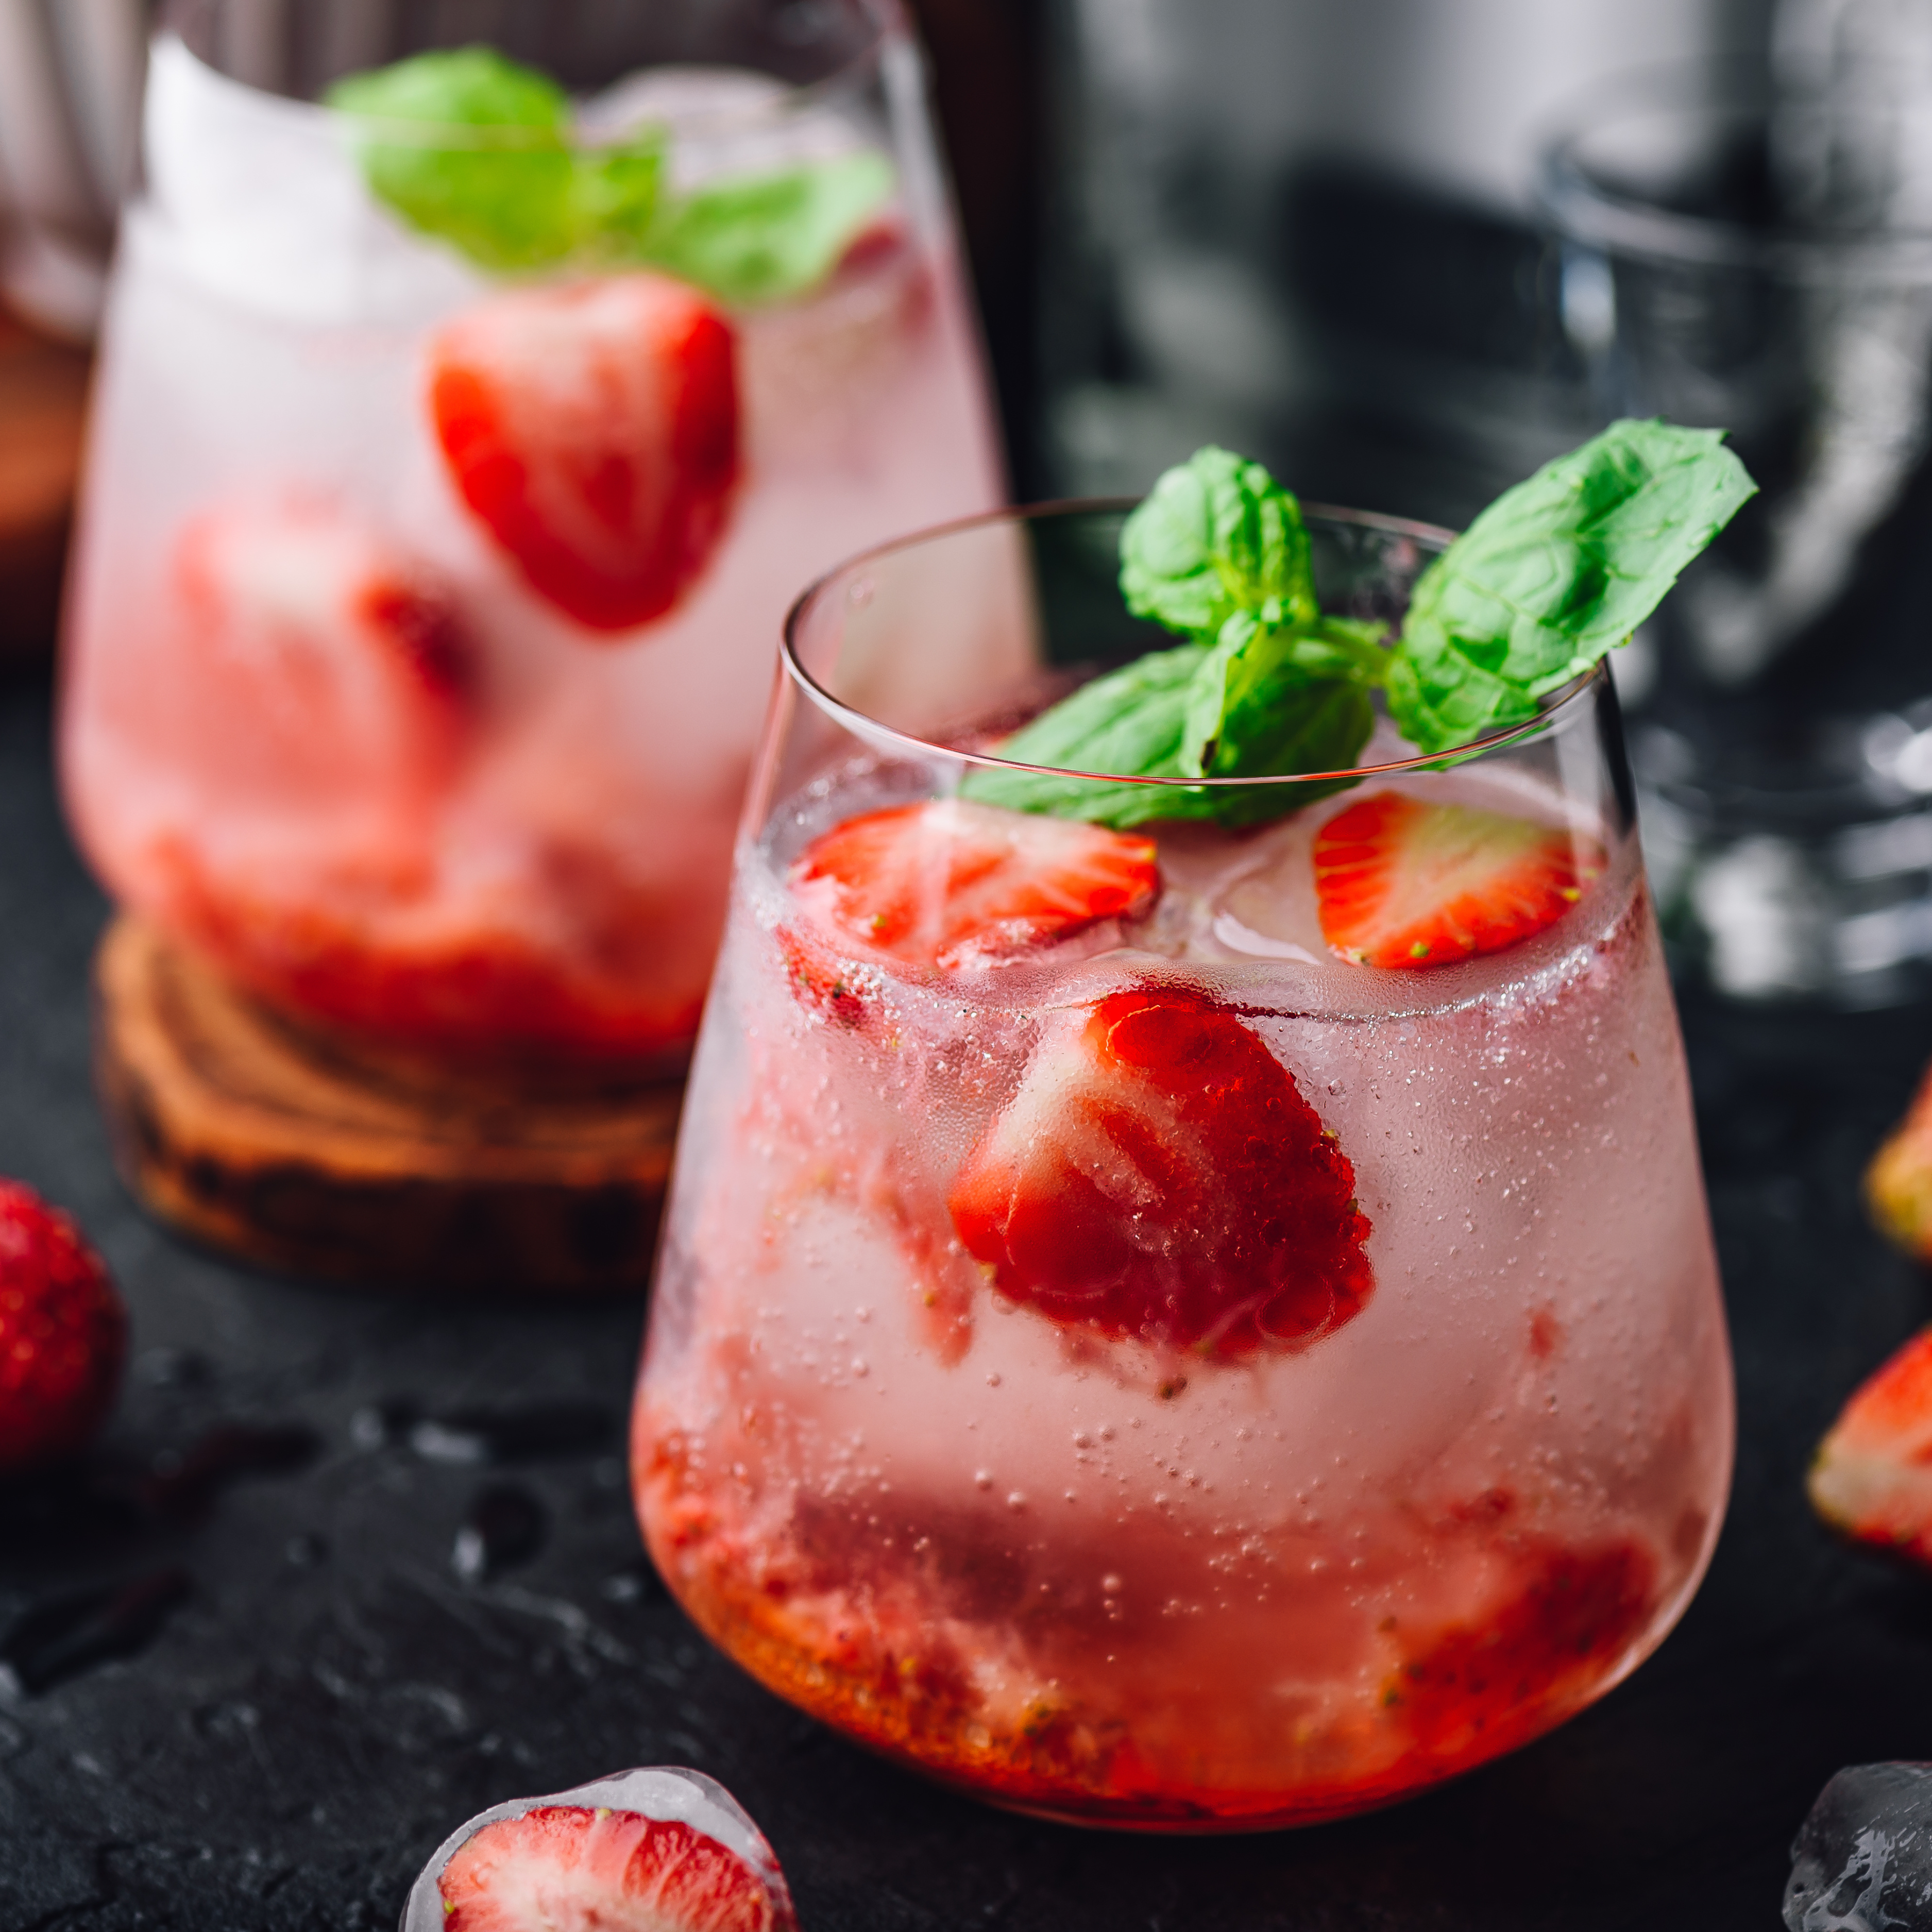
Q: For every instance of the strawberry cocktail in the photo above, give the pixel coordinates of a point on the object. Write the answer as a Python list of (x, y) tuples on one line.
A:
[(464, 427), (1186, 1299)]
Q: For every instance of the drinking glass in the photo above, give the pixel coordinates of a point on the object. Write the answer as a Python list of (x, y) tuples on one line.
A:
[(1761, 261), (375, 694), (1015, 1399)]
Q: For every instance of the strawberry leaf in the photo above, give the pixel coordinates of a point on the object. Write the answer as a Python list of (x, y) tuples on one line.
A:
[(1555, 573)]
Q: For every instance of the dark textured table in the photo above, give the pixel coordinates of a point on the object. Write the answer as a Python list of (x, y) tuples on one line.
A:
[(312, 1692)]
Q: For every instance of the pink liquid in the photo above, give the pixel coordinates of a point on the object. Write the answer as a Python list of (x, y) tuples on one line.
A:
[(1084, 1579), (546, 870)]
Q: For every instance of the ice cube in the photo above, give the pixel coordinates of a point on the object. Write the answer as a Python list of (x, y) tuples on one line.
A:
[(723, 121), (1862, 1860), (262, 199)]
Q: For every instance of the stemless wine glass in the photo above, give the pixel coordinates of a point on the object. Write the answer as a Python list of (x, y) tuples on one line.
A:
[(419, 630), (1115, 1353)]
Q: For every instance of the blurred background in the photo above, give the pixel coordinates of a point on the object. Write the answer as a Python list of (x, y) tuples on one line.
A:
[(1305, 227), (1328, 232)]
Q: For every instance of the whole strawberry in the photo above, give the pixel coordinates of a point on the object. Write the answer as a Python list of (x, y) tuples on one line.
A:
[(63, 1333)]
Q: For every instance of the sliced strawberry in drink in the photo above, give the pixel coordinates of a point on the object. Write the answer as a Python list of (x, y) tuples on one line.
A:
[(686, 1858), (317, 656), (1404, 883), (1872, 1478), (593, 430), (1158, 1176), (948, 882)]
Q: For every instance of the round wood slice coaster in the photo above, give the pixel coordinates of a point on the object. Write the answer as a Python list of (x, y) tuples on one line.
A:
[(253, 1136)]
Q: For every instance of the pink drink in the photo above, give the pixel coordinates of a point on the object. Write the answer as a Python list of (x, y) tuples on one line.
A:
[(1188, 1584), (319, 719)]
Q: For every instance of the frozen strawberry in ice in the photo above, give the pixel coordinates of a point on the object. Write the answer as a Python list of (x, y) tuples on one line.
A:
[(662, 1849), (317, 659), (1872, 1476), (1404, 883), (947, 883), (592, 428), (1159, 1176), (63, 1333)]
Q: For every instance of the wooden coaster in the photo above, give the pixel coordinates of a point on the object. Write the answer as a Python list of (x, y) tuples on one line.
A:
[(255, 1137)]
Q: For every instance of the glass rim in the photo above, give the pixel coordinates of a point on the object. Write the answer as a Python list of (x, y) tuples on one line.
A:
[(1583, 209), (1555, 705), (885, 21)]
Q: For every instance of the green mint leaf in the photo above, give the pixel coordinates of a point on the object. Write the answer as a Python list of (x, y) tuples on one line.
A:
[(517, 194), (508, 200), (1555, 573), (614, 196), (1133, 721), (1216, 535), (1268, 700), (1128, 721), (758, 239)]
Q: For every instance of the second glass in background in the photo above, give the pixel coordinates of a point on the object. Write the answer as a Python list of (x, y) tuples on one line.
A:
[(1760, 260), (376, 692)]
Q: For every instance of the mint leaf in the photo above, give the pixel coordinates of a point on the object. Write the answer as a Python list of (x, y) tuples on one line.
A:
[(763, 238), (1216, 535), (477, 151), (508, 199), (1128, 721), (1133, 721), (1254, 706), (1555, 573)]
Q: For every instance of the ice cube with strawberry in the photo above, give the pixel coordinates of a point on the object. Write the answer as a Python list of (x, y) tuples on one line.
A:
[(661, 1849), (317, 661), (591, 429)]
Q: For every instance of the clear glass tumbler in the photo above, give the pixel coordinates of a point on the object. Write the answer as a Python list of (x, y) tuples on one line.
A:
[(428, 568), (1760, 261), (1111, 1351)]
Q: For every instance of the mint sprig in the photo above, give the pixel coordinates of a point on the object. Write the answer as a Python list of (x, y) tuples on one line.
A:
[(1551, 576), (521, 194)]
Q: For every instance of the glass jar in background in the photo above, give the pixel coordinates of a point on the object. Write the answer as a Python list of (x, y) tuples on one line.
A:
[(1760, 260), (1308, 231), (1114, 1350), (429, 564)]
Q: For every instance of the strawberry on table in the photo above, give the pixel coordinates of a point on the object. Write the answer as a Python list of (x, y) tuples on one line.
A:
[(1898, 1184), (1159, 1176), (592, 428), (658, 1850), (948, 882), (1406, 884), (1872, 1478), (63, 1333)]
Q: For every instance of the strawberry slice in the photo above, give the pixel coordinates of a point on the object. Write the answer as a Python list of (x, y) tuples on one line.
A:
[(949, 883), (1872, 1478), (1159, 1176), (593, 429), (690, 1860), (317, 657), (1403, 884)]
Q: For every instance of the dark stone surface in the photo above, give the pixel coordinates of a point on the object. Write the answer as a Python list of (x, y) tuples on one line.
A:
[(328, 1697)]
